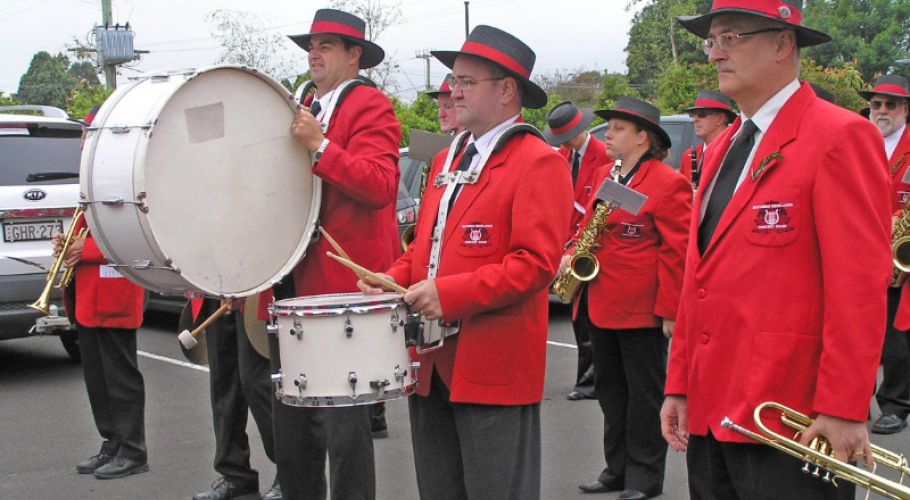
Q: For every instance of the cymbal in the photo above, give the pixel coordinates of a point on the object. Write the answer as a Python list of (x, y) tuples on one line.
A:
[(255, 328), (198, 354)]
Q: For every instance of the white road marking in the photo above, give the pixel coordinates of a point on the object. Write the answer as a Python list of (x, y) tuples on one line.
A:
[(172, 361)]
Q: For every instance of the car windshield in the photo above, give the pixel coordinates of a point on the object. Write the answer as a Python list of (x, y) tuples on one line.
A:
[(24, 155)]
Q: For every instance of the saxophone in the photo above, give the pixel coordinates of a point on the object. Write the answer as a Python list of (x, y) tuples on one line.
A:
[(900, 248), (583, 266)]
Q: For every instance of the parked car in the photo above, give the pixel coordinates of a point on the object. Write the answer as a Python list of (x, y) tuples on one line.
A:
[(39, 191)]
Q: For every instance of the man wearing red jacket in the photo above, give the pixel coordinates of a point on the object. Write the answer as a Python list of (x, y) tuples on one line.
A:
[(888, 104), (108, 311), (488, 240), (567, 129), (711, 114), (775, 304), (351, 131), (445, 107)]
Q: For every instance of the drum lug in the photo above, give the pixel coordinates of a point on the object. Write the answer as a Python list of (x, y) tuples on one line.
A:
[(395, 322), (379, 385), (352, 379), (276, 383), (300, 382), (348, 327), (399, 374), (297, 330)]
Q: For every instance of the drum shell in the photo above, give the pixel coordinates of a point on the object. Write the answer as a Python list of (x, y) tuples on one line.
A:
[(323, 339)]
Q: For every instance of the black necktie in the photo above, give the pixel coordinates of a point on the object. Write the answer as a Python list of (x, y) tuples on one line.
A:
[(464, 164), (315, 108), (576, 163), (725, 185)]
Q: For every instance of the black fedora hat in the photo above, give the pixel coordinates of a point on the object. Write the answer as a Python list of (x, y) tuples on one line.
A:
[(890, 85), (788, 12), (565, 121), (444, 88), (347, 26), (640, 112), (507, 52), (712, 100)]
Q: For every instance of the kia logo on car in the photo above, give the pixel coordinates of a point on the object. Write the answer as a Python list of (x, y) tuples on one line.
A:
[(34, 195)]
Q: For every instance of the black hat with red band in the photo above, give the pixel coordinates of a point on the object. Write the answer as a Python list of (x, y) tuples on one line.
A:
[(507, 52), (639, 112), (347, 26), (890, 85), (712, 100), (444, 88), (787, 12), (565, 121)]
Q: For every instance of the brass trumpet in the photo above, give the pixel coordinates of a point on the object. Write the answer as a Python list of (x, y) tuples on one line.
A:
[(818, 455), (42, 303)]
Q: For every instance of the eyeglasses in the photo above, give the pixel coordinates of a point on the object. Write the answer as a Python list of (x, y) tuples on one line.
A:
[(727, 41), (465, 83), (891, 105), (701, 113)]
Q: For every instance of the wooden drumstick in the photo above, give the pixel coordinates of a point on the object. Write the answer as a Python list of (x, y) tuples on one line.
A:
[(188, 338), (362, 271), (340, 251)]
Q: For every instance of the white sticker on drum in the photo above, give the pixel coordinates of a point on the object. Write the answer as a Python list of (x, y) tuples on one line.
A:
[(109, 272), (205, 123)]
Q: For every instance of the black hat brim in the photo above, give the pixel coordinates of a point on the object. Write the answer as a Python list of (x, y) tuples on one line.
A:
[(869, 94), (701, 25), (729, 112), (372, 53), (608, 114), (434, 94), (587, 116), (534, 96)]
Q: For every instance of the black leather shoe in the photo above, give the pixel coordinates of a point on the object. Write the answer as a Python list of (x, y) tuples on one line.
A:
[(889, 424), (632, 495), (607, 481), (91, 464), (575, 396), (223, 489), (274, 492), (121, 467)]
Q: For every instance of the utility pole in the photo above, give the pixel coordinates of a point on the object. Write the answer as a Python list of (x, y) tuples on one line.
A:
[(425, 55), (467, 25), (110, 70)]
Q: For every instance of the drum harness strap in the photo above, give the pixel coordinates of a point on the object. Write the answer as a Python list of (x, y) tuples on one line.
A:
[(451, 180)]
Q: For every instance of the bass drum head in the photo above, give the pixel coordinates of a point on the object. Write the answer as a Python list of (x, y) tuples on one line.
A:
[(231, 197)]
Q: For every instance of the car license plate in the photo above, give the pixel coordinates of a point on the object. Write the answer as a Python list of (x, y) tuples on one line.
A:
[(31, 231)]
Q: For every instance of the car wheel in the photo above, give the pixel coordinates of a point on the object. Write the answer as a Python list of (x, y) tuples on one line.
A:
[(70, 342)]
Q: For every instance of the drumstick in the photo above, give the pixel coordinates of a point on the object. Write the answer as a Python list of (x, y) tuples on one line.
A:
[(340, 251), (366, 272), (188, 338)]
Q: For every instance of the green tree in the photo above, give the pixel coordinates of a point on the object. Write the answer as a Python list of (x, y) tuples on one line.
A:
[(615, 85), (870, 34), (844, 82), (46, 81), (580, 86), (83, 97), (420, 115), (6, 100), (84, 71), (538, 117), (678, 86)]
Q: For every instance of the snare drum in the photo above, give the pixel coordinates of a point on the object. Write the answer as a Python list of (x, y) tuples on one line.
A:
[(341, 350), (193, 182)]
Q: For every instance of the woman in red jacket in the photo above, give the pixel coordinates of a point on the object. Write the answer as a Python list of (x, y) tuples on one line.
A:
[(108, 311), (630, 307)]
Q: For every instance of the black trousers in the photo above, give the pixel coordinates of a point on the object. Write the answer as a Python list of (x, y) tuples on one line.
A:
[(116, 391), (239, 381), (303, 437), (629, 373), (893, 395), (471, 451), (584, 378), (744, 471)]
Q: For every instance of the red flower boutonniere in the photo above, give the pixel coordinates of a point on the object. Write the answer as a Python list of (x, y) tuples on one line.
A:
[(765, 164)]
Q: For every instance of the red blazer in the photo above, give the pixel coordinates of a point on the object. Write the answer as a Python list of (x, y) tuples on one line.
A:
[(497, 288), (595, 155), (104, 302), (359, 170), (642, 256), (899, 163), (780, 307)]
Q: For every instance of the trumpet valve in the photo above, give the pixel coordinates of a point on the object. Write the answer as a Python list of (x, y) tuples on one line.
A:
[(817, 472), (827, 477), (806, 468)]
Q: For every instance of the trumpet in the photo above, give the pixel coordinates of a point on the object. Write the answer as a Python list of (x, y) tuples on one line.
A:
[(818, 456), (42, 303)]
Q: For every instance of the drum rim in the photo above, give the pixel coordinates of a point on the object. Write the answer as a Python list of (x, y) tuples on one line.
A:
[(369, 303), (188, 74)]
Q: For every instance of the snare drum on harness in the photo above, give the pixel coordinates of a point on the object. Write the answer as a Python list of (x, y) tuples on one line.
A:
[(341, 350)]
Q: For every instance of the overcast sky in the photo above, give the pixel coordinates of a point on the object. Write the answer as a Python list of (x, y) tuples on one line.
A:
[(570, 35)]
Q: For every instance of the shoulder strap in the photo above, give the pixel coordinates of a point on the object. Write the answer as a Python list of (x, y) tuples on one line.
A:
[(513, 130)]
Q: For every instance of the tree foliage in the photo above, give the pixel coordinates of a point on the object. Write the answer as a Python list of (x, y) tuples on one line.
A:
[(47, 81), (420, 115), (615, 85), (678, 86), (246, 40), (83, 97), (582, 87), (84, 71), (866, 34), (6, 100), (844, 82)]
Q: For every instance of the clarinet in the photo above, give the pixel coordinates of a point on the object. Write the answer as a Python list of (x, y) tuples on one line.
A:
[(696, 168)]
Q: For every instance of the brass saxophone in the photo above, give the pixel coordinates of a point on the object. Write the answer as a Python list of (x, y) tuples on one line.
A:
[(900, 248), (583, 266)]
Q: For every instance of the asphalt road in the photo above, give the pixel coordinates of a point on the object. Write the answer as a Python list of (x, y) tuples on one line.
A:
[(46, 427)]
